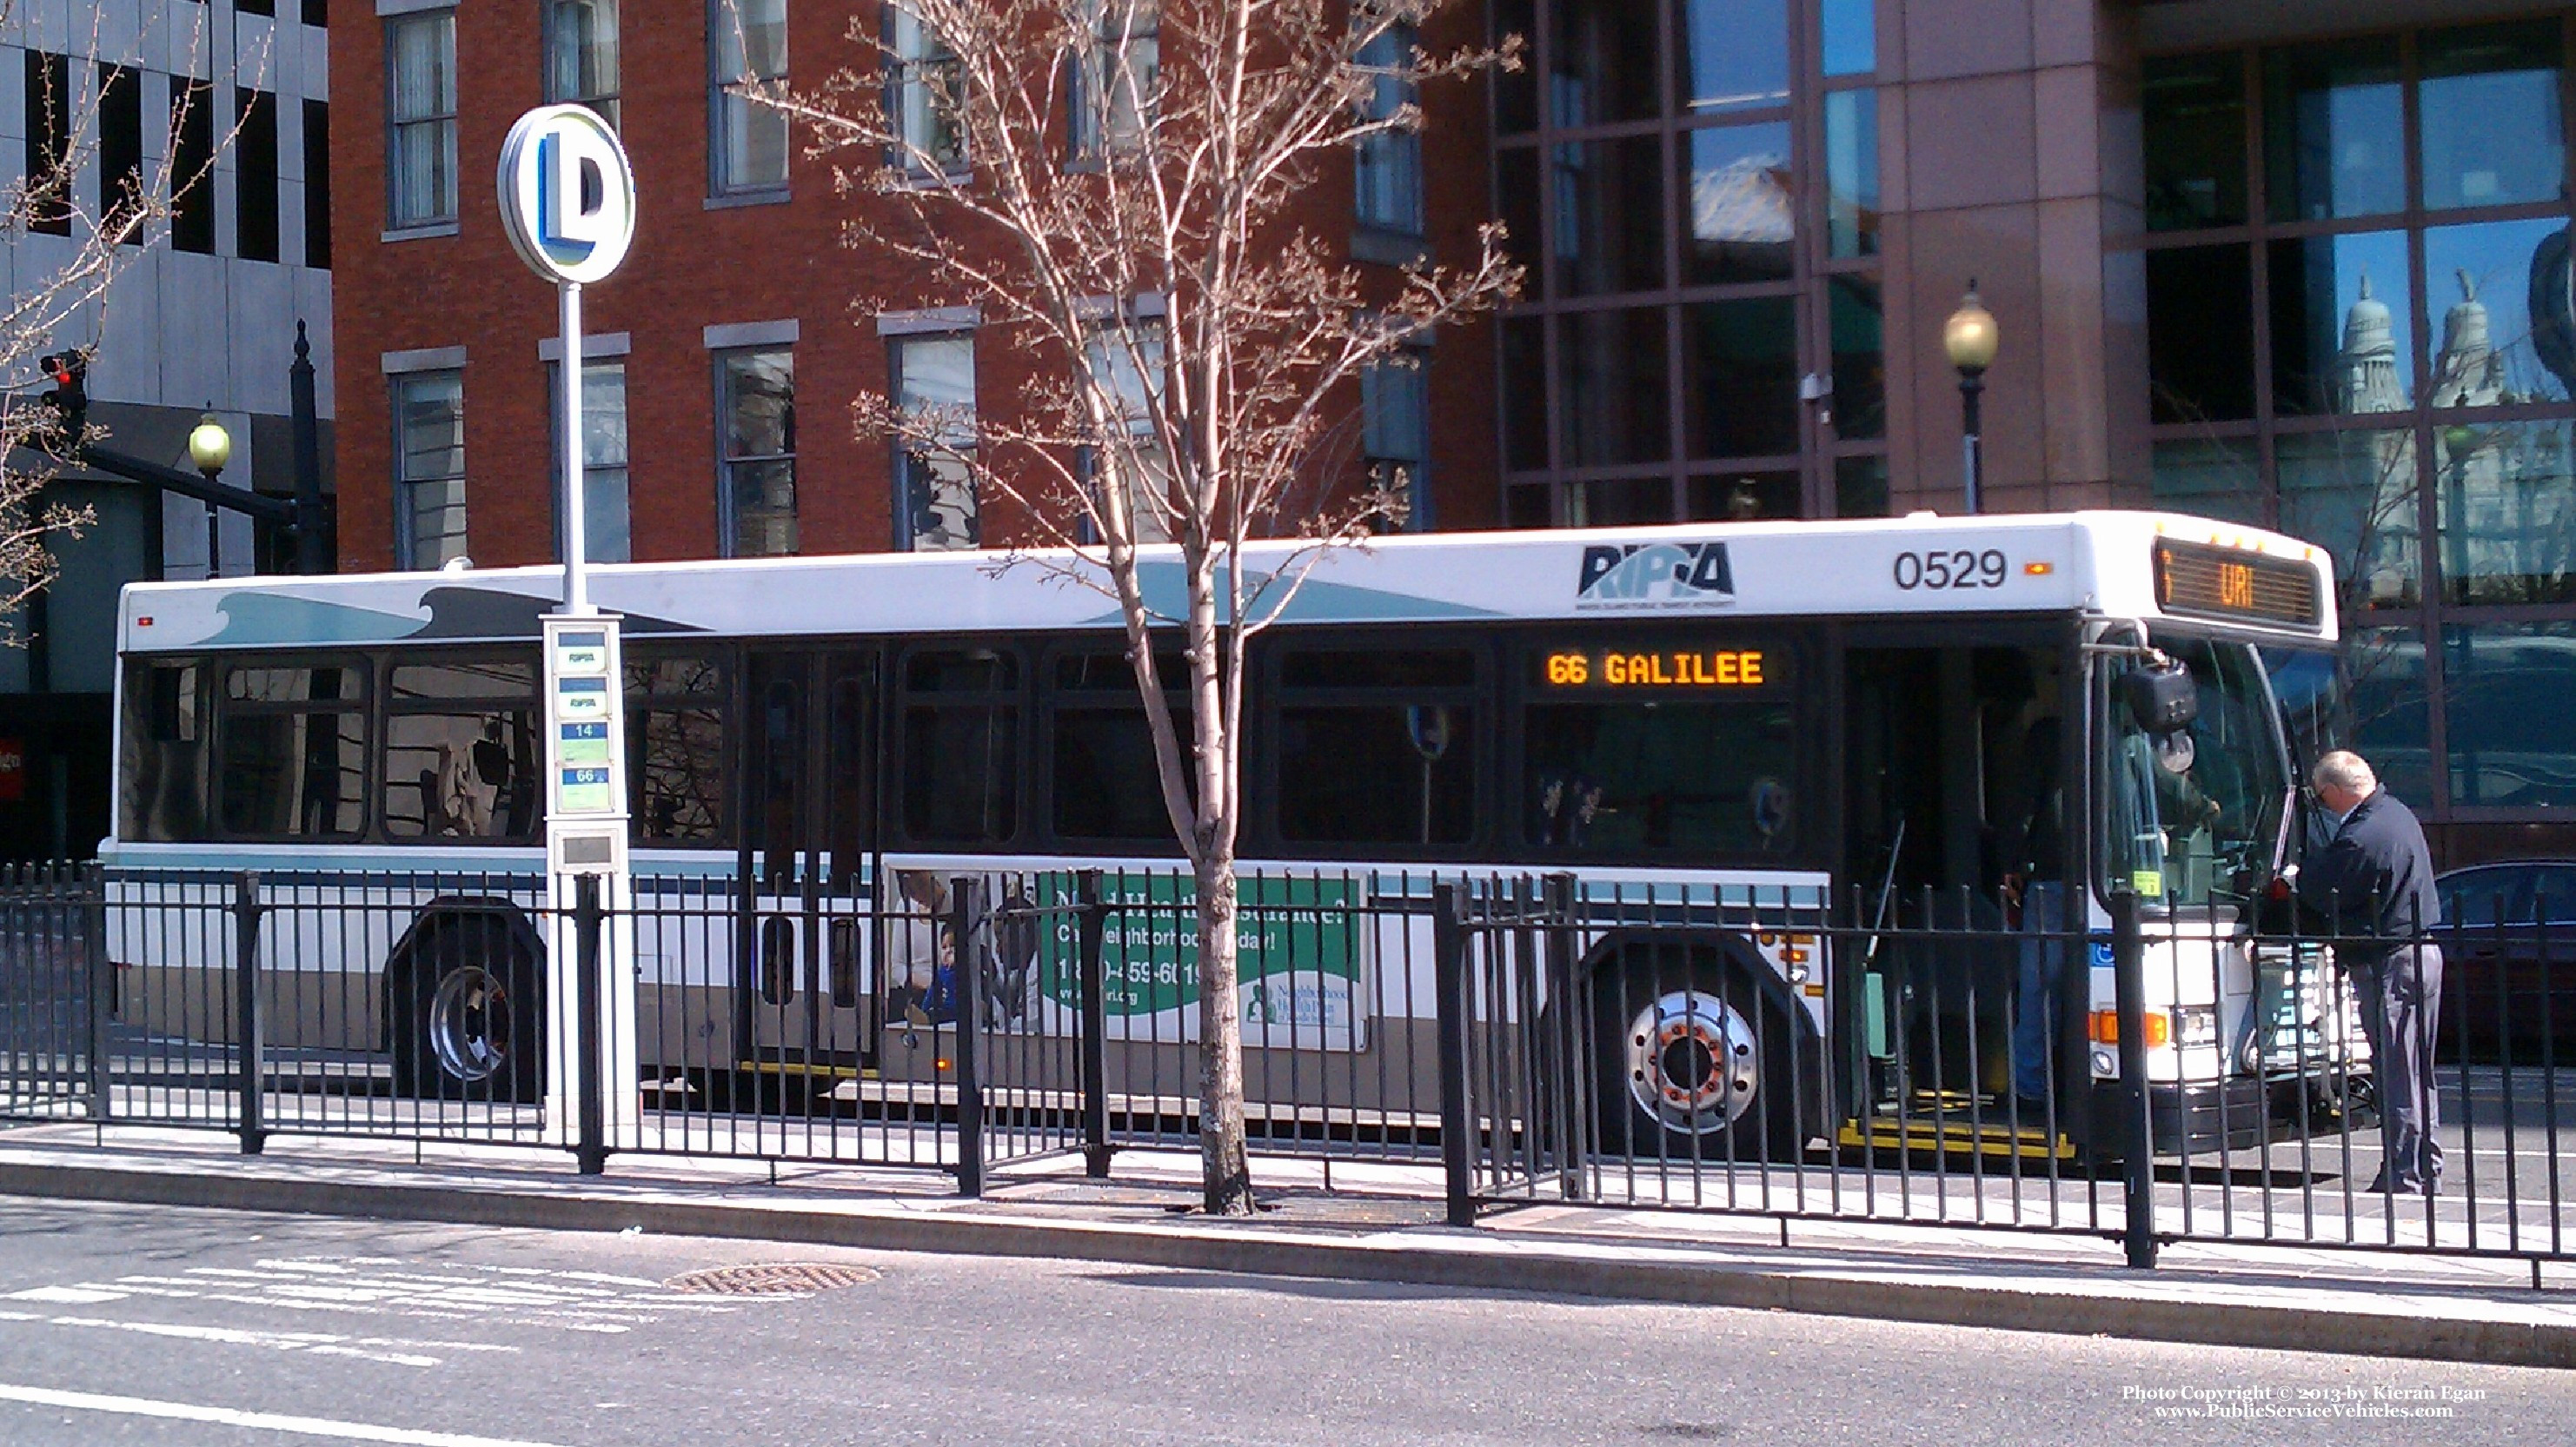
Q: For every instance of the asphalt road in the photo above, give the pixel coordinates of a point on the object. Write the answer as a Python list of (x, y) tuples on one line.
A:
[(133, 1325)]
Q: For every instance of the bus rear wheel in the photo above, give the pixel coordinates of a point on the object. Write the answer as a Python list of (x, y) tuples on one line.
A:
[(465, 1020), (1697, 1070)]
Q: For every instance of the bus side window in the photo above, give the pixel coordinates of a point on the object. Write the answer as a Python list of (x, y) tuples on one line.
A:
[(461, 749), (164, 768), (291, 748), (961, 746), (1377, 747), (675, 751)]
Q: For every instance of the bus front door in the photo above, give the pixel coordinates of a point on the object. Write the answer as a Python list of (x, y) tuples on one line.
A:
[(808, 781)]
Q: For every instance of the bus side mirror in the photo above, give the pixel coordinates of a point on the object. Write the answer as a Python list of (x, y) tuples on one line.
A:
[(2161, 698)]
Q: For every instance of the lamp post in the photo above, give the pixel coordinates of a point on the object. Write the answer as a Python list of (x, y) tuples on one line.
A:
[(210, 447), (1970, 339)]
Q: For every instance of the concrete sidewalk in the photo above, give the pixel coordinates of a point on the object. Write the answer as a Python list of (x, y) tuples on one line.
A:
[(1375, 1223)]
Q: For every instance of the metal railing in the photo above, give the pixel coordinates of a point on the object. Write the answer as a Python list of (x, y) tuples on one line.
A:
[(1937, 1059)]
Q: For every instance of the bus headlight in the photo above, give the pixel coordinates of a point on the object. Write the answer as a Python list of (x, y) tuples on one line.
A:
[(2195, 1025)]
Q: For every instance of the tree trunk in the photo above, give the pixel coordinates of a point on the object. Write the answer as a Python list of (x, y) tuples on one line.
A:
[(1227, 1170)]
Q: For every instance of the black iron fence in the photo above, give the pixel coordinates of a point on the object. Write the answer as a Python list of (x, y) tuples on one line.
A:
[(1673, 1045)]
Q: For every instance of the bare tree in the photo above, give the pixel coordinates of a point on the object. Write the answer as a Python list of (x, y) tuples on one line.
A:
[(73, 244), (1118, 188)]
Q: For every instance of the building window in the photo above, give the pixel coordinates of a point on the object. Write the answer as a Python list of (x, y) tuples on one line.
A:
[(429, 469), (1692, 189), (607, 532), (317, 13), (1395, 433), (749, 147), (255, 176), (192, 166), (934, 383), (120, 153), (581, 54), (756, 482), (1117, 78), (48, 203), (2350, 338), (1389, 165), (922, 94), (1128, 359), (317, 184), (420, 119)]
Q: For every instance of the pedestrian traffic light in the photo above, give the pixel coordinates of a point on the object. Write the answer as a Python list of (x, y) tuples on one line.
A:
[(69, 397)]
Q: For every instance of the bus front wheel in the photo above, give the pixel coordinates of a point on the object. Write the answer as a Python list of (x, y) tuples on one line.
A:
[(1697, 1070), (465, 1019)]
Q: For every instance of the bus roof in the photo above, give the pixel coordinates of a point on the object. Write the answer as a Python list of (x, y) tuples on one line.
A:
[(2111, 564)]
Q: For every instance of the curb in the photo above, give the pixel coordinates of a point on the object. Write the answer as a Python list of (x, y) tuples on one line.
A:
[(1450, 1259)]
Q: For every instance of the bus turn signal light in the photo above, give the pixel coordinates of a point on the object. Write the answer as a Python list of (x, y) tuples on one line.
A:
[(2105, 1028)]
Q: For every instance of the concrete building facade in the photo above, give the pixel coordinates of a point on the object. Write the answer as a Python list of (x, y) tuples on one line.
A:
[(201, 318)]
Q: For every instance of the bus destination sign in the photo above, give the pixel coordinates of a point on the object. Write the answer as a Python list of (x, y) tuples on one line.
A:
[(2202, 580), (1612, 666)]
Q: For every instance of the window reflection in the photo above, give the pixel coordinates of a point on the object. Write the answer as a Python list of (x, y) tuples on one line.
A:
[(2343, 326), (2200, 333), (1851, 173), (2334, 130), (1850, 36), (2212, 477), (2510, 713), (1602, 63), (1525, 394), (1617, 501), (1860, 358), (1735, 54), (2489, 102), (2390, 711), (1741, 387), (2482, 279), (1742, 214), (2507, 512), (1609, 210), (1739, 497), (1612, 387), (2352, 492), (2195, 142)]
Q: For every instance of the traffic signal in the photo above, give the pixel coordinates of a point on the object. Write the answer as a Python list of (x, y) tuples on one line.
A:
[(69, 397)]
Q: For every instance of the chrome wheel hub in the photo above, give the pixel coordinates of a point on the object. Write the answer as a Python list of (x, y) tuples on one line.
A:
[(1693, 1062), (469, 1024)]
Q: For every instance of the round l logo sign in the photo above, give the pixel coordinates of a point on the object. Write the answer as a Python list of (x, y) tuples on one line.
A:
[(567, 194)]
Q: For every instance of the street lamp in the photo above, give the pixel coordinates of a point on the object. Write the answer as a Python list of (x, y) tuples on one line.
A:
[(1970, 339), (210, 447)]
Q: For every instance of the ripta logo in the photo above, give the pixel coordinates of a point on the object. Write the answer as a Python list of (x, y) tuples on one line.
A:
[(1653, 574)]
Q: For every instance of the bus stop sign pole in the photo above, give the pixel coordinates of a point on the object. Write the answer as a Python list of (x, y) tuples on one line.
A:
[(567, 199)]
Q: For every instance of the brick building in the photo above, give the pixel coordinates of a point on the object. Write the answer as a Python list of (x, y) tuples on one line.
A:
[(2280, 262)]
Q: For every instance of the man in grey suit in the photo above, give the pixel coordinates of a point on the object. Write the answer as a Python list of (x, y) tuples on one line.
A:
[(2374, 878)]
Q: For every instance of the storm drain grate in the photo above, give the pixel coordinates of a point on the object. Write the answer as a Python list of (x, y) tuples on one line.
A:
[(790, 1279)]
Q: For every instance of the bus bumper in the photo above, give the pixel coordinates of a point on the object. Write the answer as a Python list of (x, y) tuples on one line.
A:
[(2240, 1113)]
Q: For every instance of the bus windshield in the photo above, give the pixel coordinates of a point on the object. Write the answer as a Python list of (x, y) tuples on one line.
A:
[(2195, 819)]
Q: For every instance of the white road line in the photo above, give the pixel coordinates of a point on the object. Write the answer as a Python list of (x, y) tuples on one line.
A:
[(254, 1421)]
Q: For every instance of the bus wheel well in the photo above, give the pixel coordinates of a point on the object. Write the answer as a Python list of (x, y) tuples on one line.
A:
[(488, 938), (1679, 956)]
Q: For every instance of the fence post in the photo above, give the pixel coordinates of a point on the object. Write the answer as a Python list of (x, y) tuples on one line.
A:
[(248, 1048), (1449, 992), (966, 911), (590, 1148), (102, 990), (1093, 924), (1570, 1109), (2137, 1140)]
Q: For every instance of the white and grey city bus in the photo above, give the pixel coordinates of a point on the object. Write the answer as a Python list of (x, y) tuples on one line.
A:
[(1899, 711)]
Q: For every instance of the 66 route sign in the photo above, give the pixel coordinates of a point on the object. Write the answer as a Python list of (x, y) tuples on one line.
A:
[(567, 194)]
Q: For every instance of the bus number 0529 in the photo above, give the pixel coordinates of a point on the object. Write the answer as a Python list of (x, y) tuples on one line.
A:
[(1960, 568)]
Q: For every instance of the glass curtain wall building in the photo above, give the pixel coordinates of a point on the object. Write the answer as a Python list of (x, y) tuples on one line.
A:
[(2359, 331), (1691, 187)]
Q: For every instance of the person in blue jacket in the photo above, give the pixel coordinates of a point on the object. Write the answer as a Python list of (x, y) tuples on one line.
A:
[(2373, 879)]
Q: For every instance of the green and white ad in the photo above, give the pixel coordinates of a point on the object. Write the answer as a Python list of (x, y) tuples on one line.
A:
[(1300, 954)]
